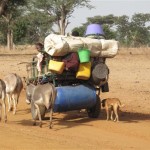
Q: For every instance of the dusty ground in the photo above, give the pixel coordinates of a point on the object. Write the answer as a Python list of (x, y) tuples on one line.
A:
[(129, 81)]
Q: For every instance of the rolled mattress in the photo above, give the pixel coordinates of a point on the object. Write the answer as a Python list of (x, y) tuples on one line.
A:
[(59, 45)]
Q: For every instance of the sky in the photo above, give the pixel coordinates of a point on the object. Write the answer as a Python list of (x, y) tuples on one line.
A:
[(106, 7)]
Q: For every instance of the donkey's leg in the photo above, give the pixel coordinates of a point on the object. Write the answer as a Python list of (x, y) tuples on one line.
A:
[(51, 115), (4, 105), (18, 95), (39, 114), (15, 103), (9, 102)]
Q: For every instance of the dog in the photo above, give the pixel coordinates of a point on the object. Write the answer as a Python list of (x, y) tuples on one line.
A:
[(112, 104)]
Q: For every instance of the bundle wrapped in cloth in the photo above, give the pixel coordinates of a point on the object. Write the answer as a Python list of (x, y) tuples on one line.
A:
[(59, 45)]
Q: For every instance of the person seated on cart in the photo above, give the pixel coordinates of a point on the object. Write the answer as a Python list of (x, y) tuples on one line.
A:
[(42, 58), (71, 60)]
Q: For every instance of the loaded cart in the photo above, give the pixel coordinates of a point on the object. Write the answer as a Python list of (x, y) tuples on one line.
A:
[(72, 93), (77, 68)]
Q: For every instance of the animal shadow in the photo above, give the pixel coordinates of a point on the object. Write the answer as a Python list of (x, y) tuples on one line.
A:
[(130, 117), (127, 117)]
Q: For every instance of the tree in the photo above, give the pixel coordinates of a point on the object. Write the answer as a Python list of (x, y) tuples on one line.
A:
[(61, 10), (129, 32), (139, 27), (81, 30), (135, 31), (32, 27), (3, 31), (123, 29), (109, 19), (3, 5), (107, 23), (10, 12)]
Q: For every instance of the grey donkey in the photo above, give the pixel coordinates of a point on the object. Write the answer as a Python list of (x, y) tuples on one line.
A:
[(41, 96), (14, 85), (2, 97)]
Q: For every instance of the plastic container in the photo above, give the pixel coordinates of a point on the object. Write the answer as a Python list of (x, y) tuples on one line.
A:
[(74, 98), (56, 66), (84, 55), (84, 71), (94, 29), (99, 72)]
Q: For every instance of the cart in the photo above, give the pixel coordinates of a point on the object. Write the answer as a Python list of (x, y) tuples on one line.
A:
[(72, 93)]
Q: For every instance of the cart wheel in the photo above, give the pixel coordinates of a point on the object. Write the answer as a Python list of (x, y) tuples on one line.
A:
[(34, 111), (95, 110)]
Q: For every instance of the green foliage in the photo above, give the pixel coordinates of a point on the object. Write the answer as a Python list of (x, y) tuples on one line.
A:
[(60, 9), (3, 31), (110, 19), (81, 30), (20, 30), (12, 11), (32, 28), (139, 29), (109, 33), (107, 23), (14, 8), (133, 31), (32, 20)]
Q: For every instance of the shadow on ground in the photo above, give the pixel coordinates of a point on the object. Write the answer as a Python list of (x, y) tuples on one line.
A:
[(128, 117), (76, 118)]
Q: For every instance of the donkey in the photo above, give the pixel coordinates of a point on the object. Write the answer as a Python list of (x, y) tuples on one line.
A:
[(41, 95), (2, 96), (14, 85)]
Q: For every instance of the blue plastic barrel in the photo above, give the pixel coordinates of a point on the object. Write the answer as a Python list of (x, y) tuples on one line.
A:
[(74, 98)]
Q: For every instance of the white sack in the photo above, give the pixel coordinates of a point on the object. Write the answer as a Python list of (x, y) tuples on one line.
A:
[(74, 43), (55, 45), (109, 48), (94, 45)]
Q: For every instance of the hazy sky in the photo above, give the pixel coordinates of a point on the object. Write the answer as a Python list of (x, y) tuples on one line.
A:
[(106, 7)]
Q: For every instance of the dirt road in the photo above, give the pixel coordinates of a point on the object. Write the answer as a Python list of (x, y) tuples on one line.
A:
[(129, 81)]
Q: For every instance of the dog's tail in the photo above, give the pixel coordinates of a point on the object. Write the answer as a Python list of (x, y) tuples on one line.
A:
[(120, 105)]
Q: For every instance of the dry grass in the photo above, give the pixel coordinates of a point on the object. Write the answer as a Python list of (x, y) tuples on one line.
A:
[(30, 49), (128, 81), (20, 49), (135, 51)]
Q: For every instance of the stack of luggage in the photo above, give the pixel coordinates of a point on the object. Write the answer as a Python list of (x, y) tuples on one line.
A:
[(82, 56)]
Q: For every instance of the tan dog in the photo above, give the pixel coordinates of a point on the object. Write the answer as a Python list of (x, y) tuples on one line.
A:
[(112, 104)]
